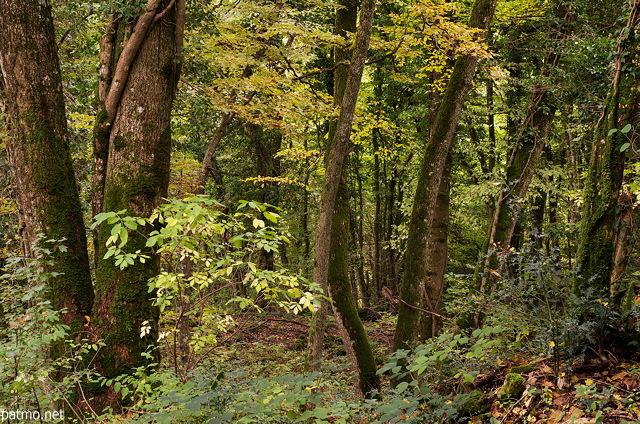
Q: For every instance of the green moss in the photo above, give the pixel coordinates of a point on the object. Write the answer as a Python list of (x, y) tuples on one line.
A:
[(513, 386), (523, 369), (118, 142)]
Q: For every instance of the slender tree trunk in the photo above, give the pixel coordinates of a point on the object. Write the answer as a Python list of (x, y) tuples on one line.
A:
[(436, 257), (331, 256), (602, 186), (39, 154), (411, 328), (624, 234), (136, 179)]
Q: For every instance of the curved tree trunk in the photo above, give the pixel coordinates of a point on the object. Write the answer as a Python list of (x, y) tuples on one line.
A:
[(411, 327), (39, 153)]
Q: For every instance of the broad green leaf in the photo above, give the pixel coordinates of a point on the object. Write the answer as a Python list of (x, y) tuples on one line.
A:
[(273, 217)]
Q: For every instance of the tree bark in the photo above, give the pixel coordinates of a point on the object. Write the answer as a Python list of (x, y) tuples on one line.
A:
[(39, 153), (411, 328), (136, 179)]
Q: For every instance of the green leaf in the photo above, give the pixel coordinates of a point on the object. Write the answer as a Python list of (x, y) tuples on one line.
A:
[(109, 253), (273, 217), (320, 413), (624, 147), (124, 236), (402, 386), (612, 131), (626, 129), (132, 225)]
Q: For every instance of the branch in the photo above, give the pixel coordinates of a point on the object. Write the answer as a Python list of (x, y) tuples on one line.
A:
[(423, 310), (107, 49), (164, 12), (126, 58)]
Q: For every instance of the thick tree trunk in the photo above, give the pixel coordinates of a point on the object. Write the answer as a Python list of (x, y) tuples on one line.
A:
[(411, 328), (602, 187), (331, 256), (136, 179), (39, 153)]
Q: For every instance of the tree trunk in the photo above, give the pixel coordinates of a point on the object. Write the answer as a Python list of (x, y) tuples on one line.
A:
[(331, 255), (39, 153), (602, 186), (136, 179), (529, 138), (411, 327), (436, 257)]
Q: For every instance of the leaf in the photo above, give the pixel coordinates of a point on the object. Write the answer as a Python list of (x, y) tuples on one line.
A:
[(258, 223), (624, 147), (273, 217), (115, 229), (132, 225), (402, 386), (320, 413), (612, 131), (626, 129), (124, 236)]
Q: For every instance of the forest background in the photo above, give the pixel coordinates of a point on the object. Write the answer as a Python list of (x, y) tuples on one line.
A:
[(460, 176)]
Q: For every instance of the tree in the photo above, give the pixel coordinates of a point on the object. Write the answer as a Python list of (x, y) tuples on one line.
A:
[(527, 138), (604, 180), (411, 326), (39, 154), (331, 265), (140, 67)]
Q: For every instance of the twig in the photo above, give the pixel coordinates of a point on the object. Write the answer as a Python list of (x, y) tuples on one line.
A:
[(424, 310)]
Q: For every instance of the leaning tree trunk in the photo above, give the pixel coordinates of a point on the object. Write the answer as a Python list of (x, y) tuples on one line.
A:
[(331, 255), (39, 153), (136, 177), (411, 327), (528, 143), (604, 180)]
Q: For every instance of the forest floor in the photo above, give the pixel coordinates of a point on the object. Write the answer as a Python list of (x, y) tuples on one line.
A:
[(594, 392)]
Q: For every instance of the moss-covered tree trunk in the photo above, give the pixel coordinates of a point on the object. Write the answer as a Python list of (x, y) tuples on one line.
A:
[(136, 179), (602, 187), (39, 153), (412, 327), (331, 256)]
